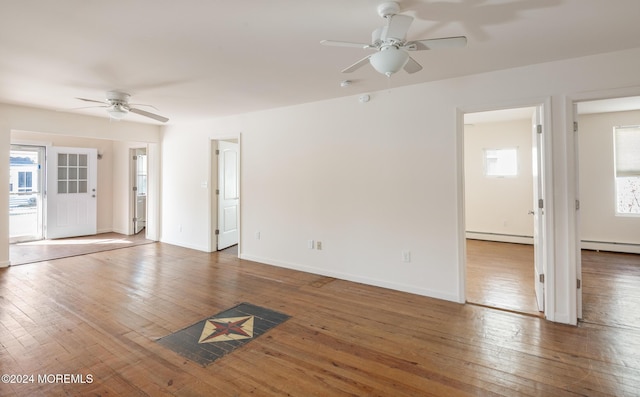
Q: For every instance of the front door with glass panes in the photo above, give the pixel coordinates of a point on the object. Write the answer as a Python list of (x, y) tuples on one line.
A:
[(71, 192)]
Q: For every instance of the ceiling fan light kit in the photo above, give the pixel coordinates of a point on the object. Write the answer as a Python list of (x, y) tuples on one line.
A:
[(389, 60), (392, 48), (117, 112)]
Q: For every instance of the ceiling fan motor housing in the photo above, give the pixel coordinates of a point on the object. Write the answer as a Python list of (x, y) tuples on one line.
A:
[(388, 8), (117, 97)]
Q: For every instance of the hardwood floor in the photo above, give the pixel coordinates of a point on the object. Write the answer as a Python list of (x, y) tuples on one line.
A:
[(501, 275), (43, 250), (101, 315), (611, 288)]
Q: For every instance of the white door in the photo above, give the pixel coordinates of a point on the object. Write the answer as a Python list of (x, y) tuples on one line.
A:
[(228, 194), (538, 205), (71, 196), (578, 245)]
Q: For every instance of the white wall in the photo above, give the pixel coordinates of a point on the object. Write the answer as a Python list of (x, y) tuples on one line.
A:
[(371, 180), (497, 208), (18, 118), (599, 222)]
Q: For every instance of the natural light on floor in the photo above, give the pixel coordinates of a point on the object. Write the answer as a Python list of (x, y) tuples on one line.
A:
[(78, 242)]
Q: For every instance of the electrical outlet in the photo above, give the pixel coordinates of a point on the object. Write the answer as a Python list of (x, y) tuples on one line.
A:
[(310, 244), (406, 256), (318, 245), (257, 235)]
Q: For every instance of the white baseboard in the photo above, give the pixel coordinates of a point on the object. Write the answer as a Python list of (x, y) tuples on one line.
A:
[(5, 264), (502, 238), (613, 247), (355, 278), (185, 245)]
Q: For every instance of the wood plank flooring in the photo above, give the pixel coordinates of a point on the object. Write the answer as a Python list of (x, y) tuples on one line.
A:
[(101, 314), (501, 275), (611, 288), (41, 250)]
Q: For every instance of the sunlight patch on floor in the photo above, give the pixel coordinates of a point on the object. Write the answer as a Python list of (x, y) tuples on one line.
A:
[(77, 242)]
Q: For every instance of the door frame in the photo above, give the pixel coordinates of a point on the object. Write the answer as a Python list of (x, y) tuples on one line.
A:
[(133, 194), (575, 244), (42, 183), (546, 233), (211, 185)]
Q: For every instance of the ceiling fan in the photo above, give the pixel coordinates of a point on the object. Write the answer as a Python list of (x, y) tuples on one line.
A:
[(391, 45), (118, 106)]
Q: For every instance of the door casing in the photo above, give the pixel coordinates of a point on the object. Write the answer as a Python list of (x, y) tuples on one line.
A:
[(546, 233)]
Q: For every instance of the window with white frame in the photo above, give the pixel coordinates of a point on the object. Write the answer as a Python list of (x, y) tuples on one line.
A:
[(627, 169), (501, 162)]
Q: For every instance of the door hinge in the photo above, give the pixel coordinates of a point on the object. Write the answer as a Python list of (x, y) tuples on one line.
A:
[(541, 278), (135, 219), (539, 128), (135, 188), (540, 203), (579, 284), (577, 205), (217, 191), (217, 152), (217, 232), (575, 126), (135, 157)]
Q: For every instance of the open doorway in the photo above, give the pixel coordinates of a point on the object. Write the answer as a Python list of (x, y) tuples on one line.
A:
[(503, 214), (225, 171), (26, 187), (139, 189), (607, 142)]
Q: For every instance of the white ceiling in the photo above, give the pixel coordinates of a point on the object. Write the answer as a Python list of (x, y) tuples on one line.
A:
[(198, 59)]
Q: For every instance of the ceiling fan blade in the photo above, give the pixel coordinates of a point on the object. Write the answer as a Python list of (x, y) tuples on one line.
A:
[(434, 44), (89, 107), (398, 27), (148, 114), (143, 104), (334, 43), (81, 107), (412, 66), (91, 100), (357, 65)]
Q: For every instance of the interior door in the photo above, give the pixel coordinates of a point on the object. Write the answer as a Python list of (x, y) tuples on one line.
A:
[(228, 194), (538, 205), (578, 244), (71, 193)]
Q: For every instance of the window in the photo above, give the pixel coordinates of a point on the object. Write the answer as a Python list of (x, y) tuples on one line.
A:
[(25, 181), (627, 168), (72, 173), (501, 162), (141, 177)]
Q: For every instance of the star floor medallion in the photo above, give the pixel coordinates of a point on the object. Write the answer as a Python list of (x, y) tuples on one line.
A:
[(215, 336), (224, 329)]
